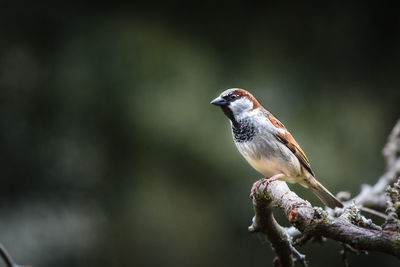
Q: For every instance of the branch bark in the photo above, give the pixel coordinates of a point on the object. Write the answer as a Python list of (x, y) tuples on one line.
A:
[(265, 223), (317, 222), (346, 225)]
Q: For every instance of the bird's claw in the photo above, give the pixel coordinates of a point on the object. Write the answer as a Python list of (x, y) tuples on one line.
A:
[(263, 181)]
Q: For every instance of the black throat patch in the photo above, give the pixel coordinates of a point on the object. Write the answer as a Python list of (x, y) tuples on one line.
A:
[(228, 112), (243, 131)]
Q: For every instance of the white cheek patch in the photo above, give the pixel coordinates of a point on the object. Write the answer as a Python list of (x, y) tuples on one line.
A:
[(241, 105)]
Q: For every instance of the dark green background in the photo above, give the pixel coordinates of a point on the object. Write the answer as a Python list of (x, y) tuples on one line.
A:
[(110, 154)]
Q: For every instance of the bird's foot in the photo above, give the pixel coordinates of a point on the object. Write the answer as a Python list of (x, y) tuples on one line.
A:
[(276, 177), (265, 182), (257, 185)]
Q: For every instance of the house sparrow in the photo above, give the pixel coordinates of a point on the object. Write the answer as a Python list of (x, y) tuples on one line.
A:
[(267, 145)]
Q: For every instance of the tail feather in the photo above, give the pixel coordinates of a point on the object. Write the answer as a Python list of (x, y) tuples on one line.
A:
[(323, 194)]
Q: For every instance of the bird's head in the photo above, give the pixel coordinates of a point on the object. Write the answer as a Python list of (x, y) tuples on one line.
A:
[(236, 103)]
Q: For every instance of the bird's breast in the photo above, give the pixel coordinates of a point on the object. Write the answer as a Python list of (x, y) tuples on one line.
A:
[(270, 157), (266, 166)]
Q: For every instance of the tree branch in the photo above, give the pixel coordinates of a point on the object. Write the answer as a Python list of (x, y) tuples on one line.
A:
[(318, 222), (265, 223), (374, 196), (7, 258), (346, 225)]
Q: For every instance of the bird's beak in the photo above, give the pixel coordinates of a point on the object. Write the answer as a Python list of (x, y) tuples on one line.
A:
[(219, 101)]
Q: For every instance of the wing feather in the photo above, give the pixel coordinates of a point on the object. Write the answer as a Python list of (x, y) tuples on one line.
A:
[(283, 136)]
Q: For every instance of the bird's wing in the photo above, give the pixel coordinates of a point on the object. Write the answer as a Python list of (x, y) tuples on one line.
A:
[(287, 139)]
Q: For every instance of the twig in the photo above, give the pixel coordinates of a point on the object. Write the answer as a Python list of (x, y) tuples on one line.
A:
[(392, 222), (374, 196), (7, 258), (298, 256), (345, 251)]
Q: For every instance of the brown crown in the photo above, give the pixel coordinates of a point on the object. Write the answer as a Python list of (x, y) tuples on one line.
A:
[(244, 93)]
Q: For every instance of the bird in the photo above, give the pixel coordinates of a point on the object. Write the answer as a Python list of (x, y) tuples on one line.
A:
[(267, 145)]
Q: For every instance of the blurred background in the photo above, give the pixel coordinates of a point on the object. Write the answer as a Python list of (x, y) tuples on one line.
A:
[(110, 154)]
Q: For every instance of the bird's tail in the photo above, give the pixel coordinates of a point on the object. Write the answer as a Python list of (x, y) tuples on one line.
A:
[(323, 194)]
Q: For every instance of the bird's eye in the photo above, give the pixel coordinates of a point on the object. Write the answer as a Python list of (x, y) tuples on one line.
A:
[(234, 96)]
